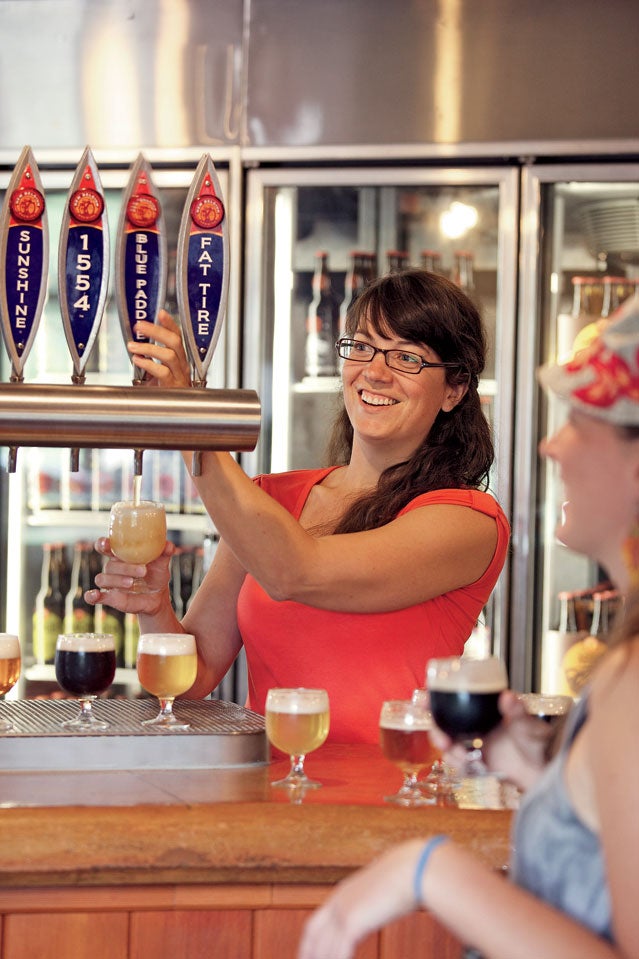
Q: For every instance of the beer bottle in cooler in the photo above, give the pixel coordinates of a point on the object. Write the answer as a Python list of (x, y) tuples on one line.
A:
[(80, 615), (398, 260), (432, 261), (64, 567), (570, 324), (581, 657), (322, 323), (355, 283), (556, 644), (48, 616), (600, 298), (369, 268), (464, 272), (616, 290), (131, 636)]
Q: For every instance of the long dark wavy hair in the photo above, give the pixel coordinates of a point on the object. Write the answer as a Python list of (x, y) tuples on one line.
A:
[(423, 308)]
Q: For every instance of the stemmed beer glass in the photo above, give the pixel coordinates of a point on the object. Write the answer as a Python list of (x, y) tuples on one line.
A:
[(297, 722), (167, 667), (404, 740), (464, 694), (137, 534), (85, 667), (552, 709), (10, 661)]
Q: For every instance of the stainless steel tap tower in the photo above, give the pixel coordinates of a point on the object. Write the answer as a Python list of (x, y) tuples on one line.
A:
[(84, 416)]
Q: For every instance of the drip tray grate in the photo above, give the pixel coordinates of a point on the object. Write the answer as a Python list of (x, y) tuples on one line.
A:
[(220, 734)]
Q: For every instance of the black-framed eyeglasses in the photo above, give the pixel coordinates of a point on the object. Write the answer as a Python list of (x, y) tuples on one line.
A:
[(401, 360)]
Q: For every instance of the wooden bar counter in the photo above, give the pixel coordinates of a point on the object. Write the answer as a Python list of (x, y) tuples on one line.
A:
[(208, 862)]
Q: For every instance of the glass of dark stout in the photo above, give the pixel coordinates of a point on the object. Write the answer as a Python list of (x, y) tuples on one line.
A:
[(464, 694), (85, 667)]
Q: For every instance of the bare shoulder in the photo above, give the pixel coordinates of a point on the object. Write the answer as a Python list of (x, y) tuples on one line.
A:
[(455, 520)]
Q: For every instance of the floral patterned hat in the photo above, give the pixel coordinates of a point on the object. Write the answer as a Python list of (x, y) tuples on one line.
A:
[(602, 379)]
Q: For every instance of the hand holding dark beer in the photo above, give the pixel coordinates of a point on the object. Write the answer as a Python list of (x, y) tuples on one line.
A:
[(464, 701)]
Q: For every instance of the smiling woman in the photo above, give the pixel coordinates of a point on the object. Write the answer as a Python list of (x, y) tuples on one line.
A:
[(350, 577)]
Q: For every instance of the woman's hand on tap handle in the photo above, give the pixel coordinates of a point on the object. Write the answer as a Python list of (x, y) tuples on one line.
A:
[(164, 357)]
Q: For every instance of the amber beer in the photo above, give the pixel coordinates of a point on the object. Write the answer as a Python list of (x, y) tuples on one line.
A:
[(166, 663), (9, 661), (297, 724), (409, 748)]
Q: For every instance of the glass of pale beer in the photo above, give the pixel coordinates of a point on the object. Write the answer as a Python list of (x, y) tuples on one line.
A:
[(297, 722), (403, 736), (137, 534), (10, 661), (85, 667), (464, 696), (167, 667)]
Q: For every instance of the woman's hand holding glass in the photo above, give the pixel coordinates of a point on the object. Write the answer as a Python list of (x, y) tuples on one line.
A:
[(113, 584), (516, 749), (464, 700)]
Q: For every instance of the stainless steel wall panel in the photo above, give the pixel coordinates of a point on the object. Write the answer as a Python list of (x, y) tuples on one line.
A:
[(120, 73), (441, 71)]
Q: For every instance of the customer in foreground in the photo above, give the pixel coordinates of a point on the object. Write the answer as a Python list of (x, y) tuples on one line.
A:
[(349, 578), (574, 888)]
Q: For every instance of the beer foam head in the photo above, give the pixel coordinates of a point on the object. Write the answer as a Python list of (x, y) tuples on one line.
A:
[(547, 705), (86, 642), (297, 700), (459, 673), (9, 646), (404, 714), (167, 644)]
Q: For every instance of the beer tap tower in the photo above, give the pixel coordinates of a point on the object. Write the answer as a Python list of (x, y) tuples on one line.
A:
[(80, 416)]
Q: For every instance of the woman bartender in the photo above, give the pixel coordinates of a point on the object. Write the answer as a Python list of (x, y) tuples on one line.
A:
[(351, 577)]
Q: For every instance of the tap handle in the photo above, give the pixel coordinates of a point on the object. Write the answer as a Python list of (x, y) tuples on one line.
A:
[(83, 263), (24, 261), (140, 255), (202, 272)]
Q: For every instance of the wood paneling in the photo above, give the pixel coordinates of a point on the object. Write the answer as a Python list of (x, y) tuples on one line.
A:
[(68, 935), (198, 934)]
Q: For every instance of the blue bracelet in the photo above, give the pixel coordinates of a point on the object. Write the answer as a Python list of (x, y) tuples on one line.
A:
[(422, 862)]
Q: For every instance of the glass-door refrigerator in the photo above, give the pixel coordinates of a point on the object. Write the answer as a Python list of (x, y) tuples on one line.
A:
[(579, 261), (302, 222), (48, 504)]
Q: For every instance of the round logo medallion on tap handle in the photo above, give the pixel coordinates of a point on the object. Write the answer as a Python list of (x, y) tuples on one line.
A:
[(83, 267), (140, 260), (24, 265), (202, 273)]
